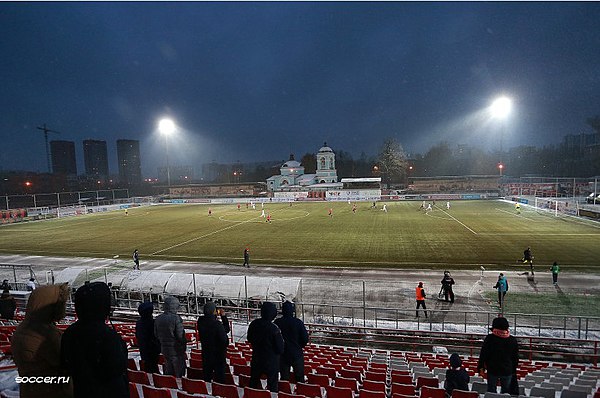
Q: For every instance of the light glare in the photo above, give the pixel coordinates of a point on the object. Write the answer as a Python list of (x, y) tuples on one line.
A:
[(166, 126), (501, 107)]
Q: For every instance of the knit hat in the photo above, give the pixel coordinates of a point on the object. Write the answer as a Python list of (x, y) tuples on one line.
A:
[(500, 323), (209, 308), (455, 361), (92, 301)]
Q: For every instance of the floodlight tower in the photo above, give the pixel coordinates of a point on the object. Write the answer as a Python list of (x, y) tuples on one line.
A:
[(166, 128), (500, 109)]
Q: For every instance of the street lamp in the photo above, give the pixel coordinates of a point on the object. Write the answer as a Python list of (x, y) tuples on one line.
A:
[(166, 128)]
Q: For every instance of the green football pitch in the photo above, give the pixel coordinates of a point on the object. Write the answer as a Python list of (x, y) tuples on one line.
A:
[(468, 235)]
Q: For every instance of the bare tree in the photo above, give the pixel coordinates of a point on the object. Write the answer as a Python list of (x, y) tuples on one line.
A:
[(392, 162)]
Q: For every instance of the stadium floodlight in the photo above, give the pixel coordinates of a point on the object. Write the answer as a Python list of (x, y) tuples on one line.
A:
[(501, 107), (166, 128)]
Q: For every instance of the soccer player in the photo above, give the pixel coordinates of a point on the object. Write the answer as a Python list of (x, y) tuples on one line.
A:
[(247, 258), (518, 208), (209, 212), (354, 208), (239, 207), (384, 208), (126, 212), (330, 212), (262, 214), (447, 205), (428, 207), (269, 218)]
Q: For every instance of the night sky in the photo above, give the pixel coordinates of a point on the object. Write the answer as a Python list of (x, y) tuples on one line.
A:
[(258, 81)]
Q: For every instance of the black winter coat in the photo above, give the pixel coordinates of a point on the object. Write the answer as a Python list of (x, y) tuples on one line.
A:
[(213, 337), (147, 341), (265, 337), (500, 356), (456, 379), (294, 334), (96, 358)]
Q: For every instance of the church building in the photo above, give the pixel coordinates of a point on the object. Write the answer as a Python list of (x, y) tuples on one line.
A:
[(292, 177)]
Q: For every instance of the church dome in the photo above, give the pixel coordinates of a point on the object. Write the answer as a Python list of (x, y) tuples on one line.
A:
[(291, 163), (325, 148)]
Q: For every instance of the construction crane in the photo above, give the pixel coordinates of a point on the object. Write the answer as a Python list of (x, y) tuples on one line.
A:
[(46, 130)]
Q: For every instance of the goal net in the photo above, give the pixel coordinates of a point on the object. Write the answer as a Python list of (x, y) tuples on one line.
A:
[(557, 206)]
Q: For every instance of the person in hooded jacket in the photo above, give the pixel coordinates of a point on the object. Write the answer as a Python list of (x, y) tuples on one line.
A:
[(295, 337), (267, 345), (214, 340), (8, 305), (457, 377), (502, 286), (94, 354), (447, 282), (499, 356), (168, 329), (36, 342), (147, 341)]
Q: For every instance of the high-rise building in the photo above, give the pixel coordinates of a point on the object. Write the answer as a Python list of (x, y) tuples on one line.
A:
[(63, 157), (128, 155), (95, 156)]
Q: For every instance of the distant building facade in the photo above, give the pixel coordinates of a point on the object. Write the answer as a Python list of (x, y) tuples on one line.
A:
[(95, 157), (63, 157), (178, 174), (292, 178), (130, 167)]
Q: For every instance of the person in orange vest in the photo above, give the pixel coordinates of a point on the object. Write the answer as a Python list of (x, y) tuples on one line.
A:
[(420, 295)]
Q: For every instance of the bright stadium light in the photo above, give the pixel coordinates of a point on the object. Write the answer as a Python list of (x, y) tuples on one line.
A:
[(166, 128), (501, 107)]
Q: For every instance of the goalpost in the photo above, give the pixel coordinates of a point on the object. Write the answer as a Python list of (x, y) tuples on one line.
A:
[(557, 206)]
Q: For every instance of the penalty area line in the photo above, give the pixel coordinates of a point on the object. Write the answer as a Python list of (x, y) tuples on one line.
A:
[(458, 221)]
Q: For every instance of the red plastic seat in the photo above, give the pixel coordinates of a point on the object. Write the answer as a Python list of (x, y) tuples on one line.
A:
[(351, 374), (373, 385), (224, 390), (347, 383), (329, 371), (151, 392), (285, 386), (308, 390), (404, 389), (339, 392), (195, 363), (164, 381), (401, 378), (254, 393), (372, 394), (183, 394), (137, 376), (194, 386), (375, 376), (133, 391), (243, 381), (427, 381), (195, 373), (320, 380), (131, 364), (432, 392), (464, 394)]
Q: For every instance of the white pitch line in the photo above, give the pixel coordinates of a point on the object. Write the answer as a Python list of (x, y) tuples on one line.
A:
[(203, 236), (516, 215), (455, 219)]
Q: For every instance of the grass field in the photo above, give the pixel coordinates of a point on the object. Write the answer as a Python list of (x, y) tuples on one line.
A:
[(470, 234)]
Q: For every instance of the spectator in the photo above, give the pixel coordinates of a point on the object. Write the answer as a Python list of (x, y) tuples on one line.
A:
[(5, 285), (456, 376), (31, 284), (214, 340), (36, 342), (113, 299), (295, 337), (500, 356), (502, 286), (420, 296), (8, 305), (168, 329), (94, 354), (147, 341), (267, 345), (447, 283), (247, 258)]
